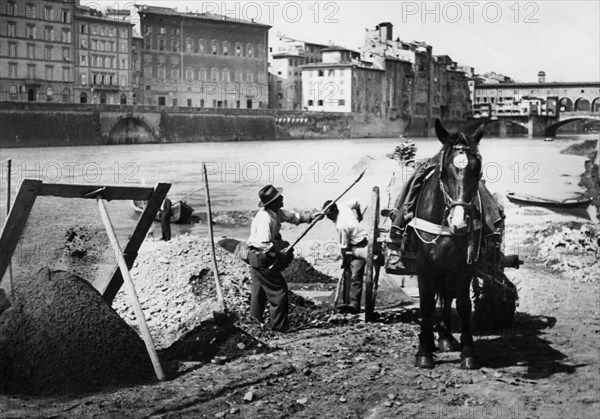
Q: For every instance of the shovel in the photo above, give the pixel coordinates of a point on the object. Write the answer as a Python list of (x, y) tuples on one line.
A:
[(221, 316)]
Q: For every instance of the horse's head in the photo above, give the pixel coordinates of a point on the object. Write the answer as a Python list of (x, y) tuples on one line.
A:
[(459, 175)]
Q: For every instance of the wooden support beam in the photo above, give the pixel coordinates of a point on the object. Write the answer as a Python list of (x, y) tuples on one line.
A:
[(110, 193), (15, 221), (109, 292)]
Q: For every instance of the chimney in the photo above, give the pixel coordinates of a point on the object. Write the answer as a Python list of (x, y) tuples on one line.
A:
[(385, 31), (542, 77)]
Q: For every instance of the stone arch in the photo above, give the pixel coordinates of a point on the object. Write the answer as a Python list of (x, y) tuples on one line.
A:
[(582, 105), (565, 104), (595, 105), (131, 130)]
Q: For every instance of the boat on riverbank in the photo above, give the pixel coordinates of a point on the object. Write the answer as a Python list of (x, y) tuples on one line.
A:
[(523, 199), (182, 212)]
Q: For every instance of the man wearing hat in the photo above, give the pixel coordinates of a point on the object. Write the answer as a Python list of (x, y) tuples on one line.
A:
[(267, 257), (353, 246)]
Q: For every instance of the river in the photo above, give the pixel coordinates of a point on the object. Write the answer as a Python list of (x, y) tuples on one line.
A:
[(310, 171)]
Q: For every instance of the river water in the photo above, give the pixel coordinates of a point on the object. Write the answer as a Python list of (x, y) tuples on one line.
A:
[(310, 171)]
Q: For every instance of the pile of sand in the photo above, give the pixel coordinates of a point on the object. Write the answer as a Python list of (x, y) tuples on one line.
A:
[(59, 336)]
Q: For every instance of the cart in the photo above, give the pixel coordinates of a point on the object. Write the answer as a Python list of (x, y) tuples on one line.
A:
[(495, 296)]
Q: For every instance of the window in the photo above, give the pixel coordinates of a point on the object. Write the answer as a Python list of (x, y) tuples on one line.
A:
[(214, 47), (31, 71), (30, 50), (162, 73), (83, 43), (31, 32), (189, 102), (161, 44), (225, 75), (260, 51), (83, 61), (12, 29), (30, 11), (12, 70), (66, 73), (48, 13), (320, 102), (320, 73), (66, 93), (175, 44), (189, 74), (12, 49), (239, 76), (201, 46), (49, 93), (122, 46), (123, 64), (331, 72), (188, 45), (83, 78), (202, 74), (48, 53), (148, 43), (65, 16), (238, 49), (310, 102), (66, 36), (341, 102), (214, 74), (175, 73), (11, 8), (123, 33), (249, 50), (250, 77), (225, 48)]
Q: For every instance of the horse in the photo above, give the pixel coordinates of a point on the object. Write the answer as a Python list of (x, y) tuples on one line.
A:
[(444, 253)]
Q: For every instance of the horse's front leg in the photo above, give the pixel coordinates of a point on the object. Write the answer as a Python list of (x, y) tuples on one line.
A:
[(447, 342), (424, 356), (463, 306)]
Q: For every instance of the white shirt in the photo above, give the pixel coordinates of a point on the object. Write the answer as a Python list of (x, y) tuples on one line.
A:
[(349, 230), (266, 226)]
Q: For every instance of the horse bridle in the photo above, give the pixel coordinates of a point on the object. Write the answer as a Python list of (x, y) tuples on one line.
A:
[(449, 201)]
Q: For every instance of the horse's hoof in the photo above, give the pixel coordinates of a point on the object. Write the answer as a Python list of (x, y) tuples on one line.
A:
[(447, 345), (469, 363), (424, 361)]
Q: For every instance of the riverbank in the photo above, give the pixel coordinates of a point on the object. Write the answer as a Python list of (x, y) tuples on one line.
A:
[(590, 178), (333, 365)]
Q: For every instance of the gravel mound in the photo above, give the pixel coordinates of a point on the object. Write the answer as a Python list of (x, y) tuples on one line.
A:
[(61, 337), (176, 287)]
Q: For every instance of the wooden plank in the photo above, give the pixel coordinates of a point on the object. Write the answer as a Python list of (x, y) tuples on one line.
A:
[(135, 301), (15, 221), (111, 193), (109, 292)]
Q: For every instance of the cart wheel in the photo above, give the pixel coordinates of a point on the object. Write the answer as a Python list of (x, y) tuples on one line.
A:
[(372, 268)]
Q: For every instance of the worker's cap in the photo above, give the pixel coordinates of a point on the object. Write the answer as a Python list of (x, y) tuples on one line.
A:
[(268, 194)]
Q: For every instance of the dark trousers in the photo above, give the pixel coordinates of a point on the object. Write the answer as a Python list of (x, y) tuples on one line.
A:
[(165, 225), (269, 286), (354, 271)]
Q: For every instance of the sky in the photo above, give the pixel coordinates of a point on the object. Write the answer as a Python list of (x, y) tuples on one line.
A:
[(515, 38)]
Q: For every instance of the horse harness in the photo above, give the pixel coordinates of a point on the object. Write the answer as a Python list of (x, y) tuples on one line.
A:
[(474, 245)]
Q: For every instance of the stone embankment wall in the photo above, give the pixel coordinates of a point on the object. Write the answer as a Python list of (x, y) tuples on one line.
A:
[(41, 124)]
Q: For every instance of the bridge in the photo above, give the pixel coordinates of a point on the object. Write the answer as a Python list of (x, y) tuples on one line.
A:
[(541, 108)]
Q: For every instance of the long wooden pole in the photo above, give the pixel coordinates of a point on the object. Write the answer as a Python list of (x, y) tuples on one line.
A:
[(135, 302), (324, 210), (8, 176), (220, 299)]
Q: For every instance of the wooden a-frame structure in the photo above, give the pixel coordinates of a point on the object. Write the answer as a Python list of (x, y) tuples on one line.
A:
[(21, 208), (30, 189)]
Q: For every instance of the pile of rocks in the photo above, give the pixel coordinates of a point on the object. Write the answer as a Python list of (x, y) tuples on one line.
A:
[(176, 287), (572, 248)]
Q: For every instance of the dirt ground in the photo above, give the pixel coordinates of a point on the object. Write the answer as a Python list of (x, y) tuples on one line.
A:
[(547, 365)]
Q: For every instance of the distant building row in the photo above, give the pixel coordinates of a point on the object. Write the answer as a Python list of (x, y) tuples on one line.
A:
[(60, 51)]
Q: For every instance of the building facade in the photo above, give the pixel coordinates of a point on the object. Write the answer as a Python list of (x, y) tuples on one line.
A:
[(103, 58), (37, 50), (202, 60), (342, 83)]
